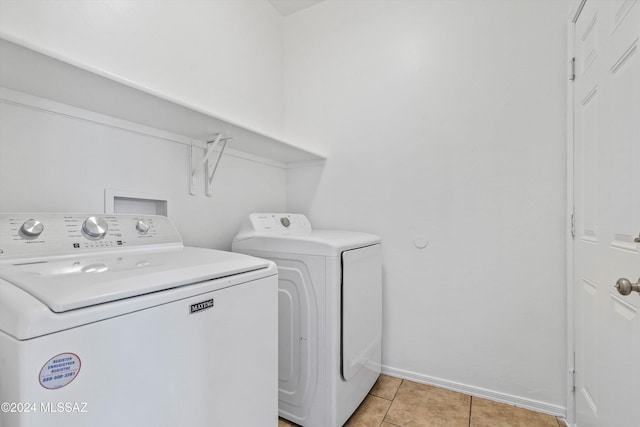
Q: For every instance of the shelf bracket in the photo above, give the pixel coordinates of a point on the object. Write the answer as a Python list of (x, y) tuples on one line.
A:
[(211, 171), (207, 163)]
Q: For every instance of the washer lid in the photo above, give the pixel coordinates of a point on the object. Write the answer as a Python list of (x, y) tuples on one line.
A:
[(67, 283), (316, 242)]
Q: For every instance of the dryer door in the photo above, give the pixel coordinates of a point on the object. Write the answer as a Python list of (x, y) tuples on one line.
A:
[(361, 310)]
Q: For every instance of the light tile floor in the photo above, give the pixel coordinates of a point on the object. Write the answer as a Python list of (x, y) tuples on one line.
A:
[(394, 402)]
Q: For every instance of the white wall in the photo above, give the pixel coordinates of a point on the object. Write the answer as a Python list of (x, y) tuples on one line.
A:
[(445, 119), (223, 56), (55, 163)]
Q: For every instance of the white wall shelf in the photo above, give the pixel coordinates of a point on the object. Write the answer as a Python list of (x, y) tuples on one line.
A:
[(35, 72)]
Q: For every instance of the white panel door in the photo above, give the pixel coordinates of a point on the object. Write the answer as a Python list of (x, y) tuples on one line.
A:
[(607, 202)]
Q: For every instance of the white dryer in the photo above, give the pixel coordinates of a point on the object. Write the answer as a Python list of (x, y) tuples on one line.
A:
[(330, 314), (108, 320)]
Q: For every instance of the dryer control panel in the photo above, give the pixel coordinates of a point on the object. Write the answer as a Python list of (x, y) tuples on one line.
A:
[(280, 223), (39, 234)]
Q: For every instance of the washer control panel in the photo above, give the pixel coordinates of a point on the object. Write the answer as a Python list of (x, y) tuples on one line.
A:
[(280, 223), (24, 234)]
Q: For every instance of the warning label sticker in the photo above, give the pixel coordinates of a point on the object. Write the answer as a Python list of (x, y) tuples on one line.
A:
[(59, 371)]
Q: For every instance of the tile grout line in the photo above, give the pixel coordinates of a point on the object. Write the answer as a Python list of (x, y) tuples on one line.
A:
[(389, 408)]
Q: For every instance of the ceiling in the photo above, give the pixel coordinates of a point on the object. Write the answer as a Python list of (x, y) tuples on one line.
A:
[(287, 7)]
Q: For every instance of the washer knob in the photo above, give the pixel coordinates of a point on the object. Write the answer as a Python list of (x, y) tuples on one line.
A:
[(142, 227), (95, 227), (285, 221), (32, 228)]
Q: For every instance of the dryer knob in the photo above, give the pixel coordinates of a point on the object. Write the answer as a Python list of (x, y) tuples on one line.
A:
[(32, 228), (142, 227), (95, 227)]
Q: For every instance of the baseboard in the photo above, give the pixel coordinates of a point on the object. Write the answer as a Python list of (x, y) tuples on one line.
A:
[(509, 399)]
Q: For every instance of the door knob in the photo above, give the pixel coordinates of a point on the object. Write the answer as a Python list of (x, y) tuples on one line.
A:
[(625, 287)]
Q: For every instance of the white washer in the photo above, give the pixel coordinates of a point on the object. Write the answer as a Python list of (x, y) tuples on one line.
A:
[(110, 321), (330, 315)]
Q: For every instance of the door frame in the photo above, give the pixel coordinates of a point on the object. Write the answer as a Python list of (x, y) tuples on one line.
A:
[(574, 12)]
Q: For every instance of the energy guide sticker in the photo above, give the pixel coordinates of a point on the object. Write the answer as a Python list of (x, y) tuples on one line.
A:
[(59, 371)]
